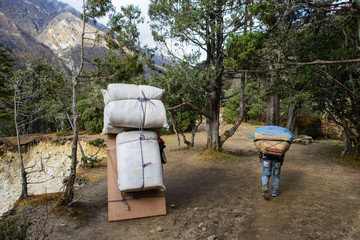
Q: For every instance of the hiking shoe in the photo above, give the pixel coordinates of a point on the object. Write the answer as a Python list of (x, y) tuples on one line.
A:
[(274, 194), (265, 193)]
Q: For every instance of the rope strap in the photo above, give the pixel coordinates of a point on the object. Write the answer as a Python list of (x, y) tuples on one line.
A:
[(134, 197), (274, 140)]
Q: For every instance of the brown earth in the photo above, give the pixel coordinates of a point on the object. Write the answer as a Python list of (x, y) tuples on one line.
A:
[(219, 197)]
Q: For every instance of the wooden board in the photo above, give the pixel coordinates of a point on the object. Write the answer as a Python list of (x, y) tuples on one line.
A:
[(138, 204)]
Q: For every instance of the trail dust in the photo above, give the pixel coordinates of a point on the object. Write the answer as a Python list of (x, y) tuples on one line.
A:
[(220, 197)]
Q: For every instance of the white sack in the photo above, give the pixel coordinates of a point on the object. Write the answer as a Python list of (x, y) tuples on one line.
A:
[(138, 161), (130, 114), (119, 91), (107, 128)]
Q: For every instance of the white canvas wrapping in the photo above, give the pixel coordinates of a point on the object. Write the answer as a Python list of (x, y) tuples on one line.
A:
[(107, 128), (129, 113), (138, 162), (119, 91)]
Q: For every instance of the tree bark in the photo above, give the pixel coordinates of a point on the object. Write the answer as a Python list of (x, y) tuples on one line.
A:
[(347, 144), (229, 133), (291, 121), (24, 184), (174, 127), (69, 189), (272, 103), (212, 106)]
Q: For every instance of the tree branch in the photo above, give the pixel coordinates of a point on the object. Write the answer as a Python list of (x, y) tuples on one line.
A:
[(174, 127), (327, 74), (193, 107), (324, 62), (94, 79), (230, 96)]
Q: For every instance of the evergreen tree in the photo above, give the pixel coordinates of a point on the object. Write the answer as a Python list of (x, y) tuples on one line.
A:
[(206, 25), (5, 93)]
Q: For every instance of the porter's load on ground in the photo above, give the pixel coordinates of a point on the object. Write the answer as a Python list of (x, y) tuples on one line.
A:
[(138, 161), (132, 106), (272, 140)]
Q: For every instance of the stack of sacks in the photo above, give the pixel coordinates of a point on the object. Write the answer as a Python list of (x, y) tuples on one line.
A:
[(272, 140), (129, 110), (132, 106)]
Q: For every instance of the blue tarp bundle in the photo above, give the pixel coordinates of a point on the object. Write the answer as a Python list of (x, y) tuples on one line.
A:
[(272, 140), (274, 131)]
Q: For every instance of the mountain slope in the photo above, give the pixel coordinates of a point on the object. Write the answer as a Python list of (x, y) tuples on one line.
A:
[(32, 15), (50, 29), (36, 29)]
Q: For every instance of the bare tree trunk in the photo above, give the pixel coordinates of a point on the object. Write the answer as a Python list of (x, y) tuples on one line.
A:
[(69, 191), (276, 109), (347, 144), (24, 185), (357, 146), (212, 125), (229, 133), (195, 128), (174, 127), (272, 103), (193, 132), (350, 136), (291, 121)]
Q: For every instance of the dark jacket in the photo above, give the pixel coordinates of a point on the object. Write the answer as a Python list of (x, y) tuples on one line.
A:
[(271, 157)]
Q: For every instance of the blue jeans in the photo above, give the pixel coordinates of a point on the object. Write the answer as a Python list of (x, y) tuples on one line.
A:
[(269, 166)]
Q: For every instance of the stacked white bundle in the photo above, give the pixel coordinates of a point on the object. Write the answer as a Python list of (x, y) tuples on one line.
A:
[(138, 161), (129, 107), (119, 91), (132, 106)]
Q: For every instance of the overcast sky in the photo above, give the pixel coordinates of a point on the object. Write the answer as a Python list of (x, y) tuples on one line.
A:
[(144, 29)]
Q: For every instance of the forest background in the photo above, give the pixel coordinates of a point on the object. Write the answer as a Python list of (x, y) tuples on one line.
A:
[(266, 61), (287, 58)]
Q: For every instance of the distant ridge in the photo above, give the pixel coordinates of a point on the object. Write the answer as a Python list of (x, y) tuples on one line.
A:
[(47, 29)]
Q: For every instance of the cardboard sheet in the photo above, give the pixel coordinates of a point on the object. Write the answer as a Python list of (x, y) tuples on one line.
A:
[(138, 204)]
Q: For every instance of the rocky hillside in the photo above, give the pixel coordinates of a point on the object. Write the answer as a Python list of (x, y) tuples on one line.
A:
[(46, 157), (62, 35), (46, 28)]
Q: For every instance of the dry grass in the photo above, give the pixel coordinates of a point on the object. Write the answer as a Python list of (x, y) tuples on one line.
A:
[(214, 156), (93, 174)]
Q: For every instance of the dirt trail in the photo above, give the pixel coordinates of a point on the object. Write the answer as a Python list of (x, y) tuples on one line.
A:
[(319, 199)]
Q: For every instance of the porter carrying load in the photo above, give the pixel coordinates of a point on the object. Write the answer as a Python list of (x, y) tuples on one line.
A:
[(272, 140)]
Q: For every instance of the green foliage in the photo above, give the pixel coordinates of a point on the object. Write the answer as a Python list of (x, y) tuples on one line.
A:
[(117, 68), (42, 96), (97, 142), (63, 132), (13, 227), (255, 105), (124, 69), (91, 118), (5, 93), (97, 8), (182, 84), (245, 51), (123, 25), (89, 161), (334, 87)]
